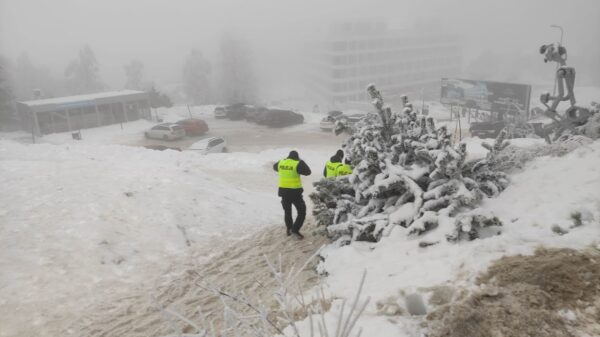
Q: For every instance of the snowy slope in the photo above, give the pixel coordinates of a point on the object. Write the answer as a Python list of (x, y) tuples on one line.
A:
[(544, 194), (78, 220)]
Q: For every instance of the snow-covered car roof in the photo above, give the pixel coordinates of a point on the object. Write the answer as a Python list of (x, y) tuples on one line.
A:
[(166, 124), (203, 143)]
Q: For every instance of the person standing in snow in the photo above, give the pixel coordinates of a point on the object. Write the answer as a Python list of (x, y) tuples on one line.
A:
[(344, 169), (290, 191), (332, 164)]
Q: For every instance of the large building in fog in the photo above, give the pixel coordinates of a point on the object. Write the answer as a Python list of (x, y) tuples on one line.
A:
[(350, 55)]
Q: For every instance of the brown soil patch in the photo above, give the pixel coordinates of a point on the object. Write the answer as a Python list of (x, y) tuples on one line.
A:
[(522, 296)]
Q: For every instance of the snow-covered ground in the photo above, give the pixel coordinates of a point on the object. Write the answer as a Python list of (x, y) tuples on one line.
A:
[(544, 194), (81, 220)]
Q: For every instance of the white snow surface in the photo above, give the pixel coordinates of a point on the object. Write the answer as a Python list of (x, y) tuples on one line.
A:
[(78, 216), (545, 193), (79, 221)]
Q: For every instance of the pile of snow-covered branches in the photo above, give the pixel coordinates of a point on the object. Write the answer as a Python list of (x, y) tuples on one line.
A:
[(407, 172)]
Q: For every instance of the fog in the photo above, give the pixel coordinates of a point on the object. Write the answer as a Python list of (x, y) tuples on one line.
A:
[(162, 33)]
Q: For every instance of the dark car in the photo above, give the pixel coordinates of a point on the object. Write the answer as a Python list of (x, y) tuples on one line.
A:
[(162, 147), (486, 129), (334, 113), (194, 126), (255, 113), (280, 118), (236, 111)]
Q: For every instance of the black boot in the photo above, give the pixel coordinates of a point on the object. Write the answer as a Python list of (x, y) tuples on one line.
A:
[(298, 236)]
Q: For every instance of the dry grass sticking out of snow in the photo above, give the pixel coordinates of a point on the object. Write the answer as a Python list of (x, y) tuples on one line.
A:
[(189, 289), (553, 293)]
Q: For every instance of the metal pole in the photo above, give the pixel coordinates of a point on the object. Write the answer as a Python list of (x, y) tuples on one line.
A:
[(32, 130), (190, 111), (422, 102), (562, 32), (560, 44)]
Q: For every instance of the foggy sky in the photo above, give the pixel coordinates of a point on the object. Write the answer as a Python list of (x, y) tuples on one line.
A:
[(161, 33)]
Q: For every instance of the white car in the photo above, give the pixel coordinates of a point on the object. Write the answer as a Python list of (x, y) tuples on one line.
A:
[(166, 131), (327, 123), (220, 112), (210, 145)]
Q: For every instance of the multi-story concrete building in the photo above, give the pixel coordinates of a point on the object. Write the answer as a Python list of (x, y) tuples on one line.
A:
[(350, 55)]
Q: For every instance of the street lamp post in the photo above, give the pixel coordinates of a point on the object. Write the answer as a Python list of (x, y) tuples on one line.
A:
[(562, 33)]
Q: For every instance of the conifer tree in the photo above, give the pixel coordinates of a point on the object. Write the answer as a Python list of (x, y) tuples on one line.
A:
[(407, 172)]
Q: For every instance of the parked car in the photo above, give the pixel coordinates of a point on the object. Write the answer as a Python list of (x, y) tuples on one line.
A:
[(220, 112), (162, 147), (328, 123), (193, 126), (489, 129), (353, 118), (236, 111), (165, 131), (255, 113), (209, 145), (280, 118)]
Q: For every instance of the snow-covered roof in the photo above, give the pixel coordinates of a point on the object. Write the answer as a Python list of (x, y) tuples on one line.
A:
[(83, 100)]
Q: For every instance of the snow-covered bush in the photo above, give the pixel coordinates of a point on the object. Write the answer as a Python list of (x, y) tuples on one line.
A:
[(407, 172)]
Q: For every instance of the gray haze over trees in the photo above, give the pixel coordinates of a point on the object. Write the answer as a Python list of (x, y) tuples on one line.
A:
[(196, 71), (134, 72), (237, 82), (28, 77), (6, 95), (501, 40), (83, 73)]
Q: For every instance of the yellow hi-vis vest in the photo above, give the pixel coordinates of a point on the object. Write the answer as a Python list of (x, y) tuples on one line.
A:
[(330, 169), (344, 170), (288, 176)]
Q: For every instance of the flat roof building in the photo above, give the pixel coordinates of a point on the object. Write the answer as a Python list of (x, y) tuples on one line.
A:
[(350, 55), (62, 114)]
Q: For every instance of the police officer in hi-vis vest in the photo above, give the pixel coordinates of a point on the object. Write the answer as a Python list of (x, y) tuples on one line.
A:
[(290, 191), (344, 169), (332, 164)]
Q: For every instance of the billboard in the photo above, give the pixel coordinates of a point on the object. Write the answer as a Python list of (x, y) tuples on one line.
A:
[(509, 98)]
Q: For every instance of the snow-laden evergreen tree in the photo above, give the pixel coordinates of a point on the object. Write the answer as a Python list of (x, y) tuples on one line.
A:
[(407, 172)]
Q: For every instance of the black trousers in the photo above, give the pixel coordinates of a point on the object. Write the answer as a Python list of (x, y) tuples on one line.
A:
[(287, 201)]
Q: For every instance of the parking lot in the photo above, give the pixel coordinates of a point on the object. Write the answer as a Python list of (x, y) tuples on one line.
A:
[(242, 136)]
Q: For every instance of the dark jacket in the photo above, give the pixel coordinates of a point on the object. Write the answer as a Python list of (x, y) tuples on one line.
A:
[(334, 159), (302, 169)]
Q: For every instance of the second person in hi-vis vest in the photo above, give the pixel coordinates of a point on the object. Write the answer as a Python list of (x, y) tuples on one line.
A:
[(344, 169), (332, 164)]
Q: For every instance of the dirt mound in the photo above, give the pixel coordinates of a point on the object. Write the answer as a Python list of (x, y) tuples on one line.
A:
[(240, 268), (568, 275), (555, 292)]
